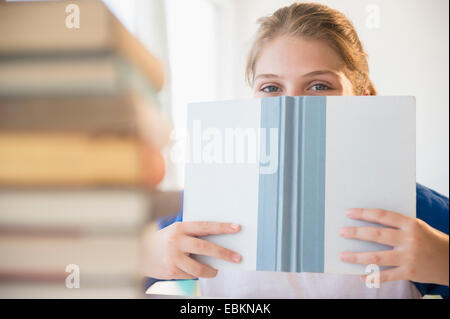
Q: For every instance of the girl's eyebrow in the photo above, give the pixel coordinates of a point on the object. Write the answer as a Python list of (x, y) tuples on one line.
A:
[(321, 72), (310, 74), (266, 76)]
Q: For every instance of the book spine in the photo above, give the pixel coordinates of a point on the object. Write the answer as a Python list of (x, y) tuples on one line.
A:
[(268, 187), (282, 231), (278, 230), (288, 186), (312, 195), (291, 199), (52, 76)]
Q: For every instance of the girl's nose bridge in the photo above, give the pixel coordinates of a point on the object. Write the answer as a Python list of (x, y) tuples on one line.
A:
[(294, 90)]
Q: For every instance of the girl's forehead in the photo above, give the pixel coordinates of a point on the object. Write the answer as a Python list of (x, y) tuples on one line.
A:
[(286, 55)]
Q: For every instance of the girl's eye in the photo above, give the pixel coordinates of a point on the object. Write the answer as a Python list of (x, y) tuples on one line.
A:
[(320, 87), (270, 89)]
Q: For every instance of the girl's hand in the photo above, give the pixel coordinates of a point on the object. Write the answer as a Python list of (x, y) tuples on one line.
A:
[(165, 253), (420, 253)]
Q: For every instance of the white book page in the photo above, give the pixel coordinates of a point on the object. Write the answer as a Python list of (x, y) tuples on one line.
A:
[(223, 192), (370, 163)]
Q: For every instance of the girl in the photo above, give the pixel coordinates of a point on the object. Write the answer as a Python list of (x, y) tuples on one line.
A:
[(310, 49)]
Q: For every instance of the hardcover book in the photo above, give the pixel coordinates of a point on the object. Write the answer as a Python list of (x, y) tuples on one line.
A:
[(287, 169), (82, 211)]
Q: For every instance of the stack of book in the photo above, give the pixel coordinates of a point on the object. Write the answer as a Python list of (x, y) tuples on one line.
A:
[(81, 135)]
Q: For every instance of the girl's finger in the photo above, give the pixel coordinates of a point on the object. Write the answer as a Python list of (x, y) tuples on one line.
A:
[(379, 216), (385, 236), (391, 274), (194, 268), (208, 228), (381, 258), (203, 247), (182, 275)]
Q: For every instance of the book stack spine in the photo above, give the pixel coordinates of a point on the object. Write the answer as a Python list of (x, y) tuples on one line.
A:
[(81, 134)]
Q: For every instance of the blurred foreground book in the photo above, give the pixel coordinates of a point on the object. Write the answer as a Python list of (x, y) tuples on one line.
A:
[(81, 134), (81, 140), (54, 58)]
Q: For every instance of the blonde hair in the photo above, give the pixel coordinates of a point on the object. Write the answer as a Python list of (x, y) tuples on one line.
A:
[(316, 21)]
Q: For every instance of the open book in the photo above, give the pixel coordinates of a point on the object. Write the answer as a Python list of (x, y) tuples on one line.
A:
[(287, 169)]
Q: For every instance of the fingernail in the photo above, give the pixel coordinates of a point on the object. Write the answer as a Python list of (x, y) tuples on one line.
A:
[(235, 226), (236, 258), (351, 212), (344, 232), (214, 273)]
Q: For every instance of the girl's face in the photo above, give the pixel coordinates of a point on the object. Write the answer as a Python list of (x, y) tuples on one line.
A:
[(295, 66)]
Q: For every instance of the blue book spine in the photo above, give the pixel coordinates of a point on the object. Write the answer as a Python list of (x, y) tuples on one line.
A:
[(291, 199)]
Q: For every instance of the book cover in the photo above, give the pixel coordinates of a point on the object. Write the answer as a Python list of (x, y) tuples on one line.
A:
[(287, 169)]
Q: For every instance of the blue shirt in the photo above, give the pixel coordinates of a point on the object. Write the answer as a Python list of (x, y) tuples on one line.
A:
[(431, 207)]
